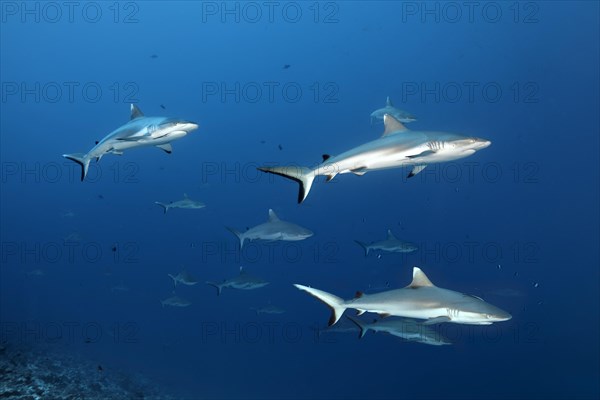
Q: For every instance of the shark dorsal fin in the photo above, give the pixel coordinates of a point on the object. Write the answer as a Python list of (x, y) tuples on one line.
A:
[(272, 216), (420, 279), (392, 125), (136, 112), (242, 270), (388, 102), (390, 235), (185, 196)]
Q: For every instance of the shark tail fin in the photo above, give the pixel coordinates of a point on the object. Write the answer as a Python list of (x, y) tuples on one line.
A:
[(165, 208), (174, 280), (81, 159), (302, 175), (361, 326), (218, 286), (336, 304), (364, 246), (239, 235)]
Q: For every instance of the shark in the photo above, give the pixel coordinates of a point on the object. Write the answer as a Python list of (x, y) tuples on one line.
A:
[(420, 300), (272, 230), (397, 147), (175, 301), (389, 108), (405, 328), (140, 131), (243, 281), (184, 278), (186, 203), (390, 244)]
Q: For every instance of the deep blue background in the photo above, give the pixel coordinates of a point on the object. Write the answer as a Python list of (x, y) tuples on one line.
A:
[(541, 213)]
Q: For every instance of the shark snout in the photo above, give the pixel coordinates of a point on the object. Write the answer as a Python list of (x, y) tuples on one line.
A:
[(188, 126), (482, 143)]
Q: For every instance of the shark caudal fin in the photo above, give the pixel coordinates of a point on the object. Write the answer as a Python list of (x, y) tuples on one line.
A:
[(218, 286), (361, 326), (239, 235), (335, 303), (302, 175), (364, 246), (81, 159), (163, 205)]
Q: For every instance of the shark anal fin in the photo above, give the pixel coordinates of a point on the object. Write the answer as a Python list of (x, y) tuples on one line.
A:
[(416, 169), (165, 147), (437, 320)]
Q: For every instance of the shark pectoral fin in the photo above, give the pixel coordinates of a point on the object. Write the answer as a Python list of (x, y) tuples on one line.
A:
[(359, 171), (422, 154), (437, 320), (165, 147), (416, 169)]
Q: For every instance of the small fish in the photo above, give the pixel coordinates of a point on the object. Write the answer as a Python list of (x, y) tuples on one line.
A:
[(100, 369), (154, 56), (163, 107), (280, 147), (286, 66)]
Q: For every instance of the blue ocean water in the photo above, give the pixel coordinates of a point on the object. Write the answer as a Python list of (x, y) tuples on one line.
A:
[(84, 264)]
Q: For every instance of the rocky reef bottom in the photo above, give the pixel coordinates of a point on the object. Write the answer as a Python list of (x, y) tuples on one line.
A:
[(28, 373)]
